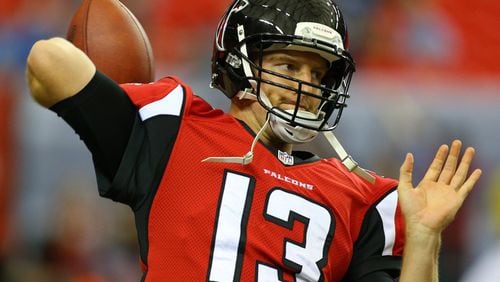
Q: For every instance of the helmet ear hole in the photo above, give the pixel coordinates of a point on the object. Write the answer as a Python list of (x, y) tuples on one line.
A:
[(233, 77)]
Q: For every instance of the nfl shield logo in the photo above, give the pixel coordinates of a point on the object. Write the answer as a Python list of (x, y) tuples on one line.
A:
[(285, 158)]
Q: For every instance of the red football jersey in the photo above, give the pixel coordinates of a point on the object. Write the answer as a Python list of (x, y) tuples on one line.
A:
[(279, 218)]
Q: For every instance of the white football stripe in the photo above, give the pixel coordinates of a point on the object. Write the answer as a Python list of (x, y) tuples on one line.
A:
[(171, 104)]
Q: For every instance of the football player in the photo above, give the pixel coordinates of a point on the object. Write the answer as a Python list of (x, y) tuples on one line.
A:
[(222, 196)]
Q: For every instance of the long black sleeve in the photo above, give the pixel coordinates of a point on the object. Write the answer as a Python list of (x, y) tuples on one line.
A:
[(103, 116)]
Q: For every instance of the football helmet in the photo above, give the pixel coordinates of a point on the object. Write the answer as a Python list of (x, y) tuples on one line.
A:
[(249, 28)]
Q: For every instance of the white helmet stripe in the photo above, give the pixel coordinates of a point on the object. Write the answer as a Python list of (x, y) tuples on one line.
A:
[(221, 29), (243, 50)]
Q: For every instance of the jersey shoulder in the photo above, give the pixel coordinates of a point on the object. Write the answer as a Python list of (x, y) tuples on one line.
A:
[(171, 90), (371, 191)]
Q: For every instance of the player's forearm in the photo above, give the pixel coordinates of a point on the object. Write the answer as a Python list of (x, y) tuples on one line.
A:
[(56, 69), (420, 258)]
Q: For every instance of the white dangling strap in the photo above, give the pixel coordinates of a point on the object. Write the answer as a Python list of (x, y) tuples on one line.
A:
[(247, 158), (347, 159)]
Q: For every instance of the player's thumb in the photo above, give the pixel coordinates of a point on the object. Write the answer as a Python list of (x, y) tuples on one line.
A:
[(406, 172)]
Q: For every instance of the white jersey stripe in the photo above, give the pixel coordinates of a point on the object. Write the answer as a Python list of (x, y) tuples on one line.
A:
[(387, 210), (171, 104), (227, 238)]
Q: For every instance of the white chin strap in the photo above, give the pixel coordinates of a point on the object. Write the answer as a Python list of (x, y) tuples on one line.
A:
[(295, 134), (299, 134), (347, 159), (244, 160)]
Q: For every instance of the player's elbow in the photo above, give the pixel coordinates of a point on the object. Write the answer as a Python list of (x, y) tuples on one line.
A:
[(44, 55), (40, 67), (55, 70)]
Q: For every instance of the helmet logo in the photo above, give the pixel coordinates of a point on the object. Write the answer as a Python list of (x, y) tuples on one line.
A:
[(237, 6), (321, 32), (233, 61)]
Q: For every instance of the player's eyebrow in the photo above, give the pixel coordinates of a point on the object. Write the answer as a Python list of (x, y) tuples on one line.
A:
[(282, 57), (293, 59)]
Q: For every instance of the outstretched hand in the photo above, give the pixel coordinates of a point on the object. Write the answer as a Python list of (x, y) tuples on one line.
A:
[(434, 202)]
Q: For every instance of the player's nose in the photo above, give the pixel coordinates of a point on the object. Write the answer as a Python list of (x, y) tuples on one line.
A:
[(307, 75)]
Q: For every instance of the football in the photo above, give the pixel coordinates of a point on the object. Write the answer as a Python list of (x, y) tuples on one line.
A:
[(114, 40)]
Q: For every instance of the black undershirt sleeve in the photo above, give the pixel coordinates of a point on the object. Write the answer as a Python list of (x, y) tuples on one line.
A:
[(103, 116)]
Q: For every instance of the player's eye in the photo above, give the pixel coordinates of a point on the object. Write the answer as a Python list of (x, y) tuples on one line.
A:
[(286, 68), (317, 76)]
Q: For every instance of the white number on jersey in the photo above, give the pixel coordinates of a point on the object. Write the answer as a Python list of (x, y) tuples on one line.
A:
[(282, 208)]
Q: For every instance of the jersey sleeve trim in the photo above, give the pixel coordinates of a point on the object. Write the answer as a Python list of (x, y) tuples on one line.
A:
[(171, 104), (387, 210), (379, 244)]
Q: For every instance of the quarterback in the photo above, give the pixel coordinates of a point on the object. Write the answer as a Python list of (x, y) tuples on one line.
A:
[(223, 196)]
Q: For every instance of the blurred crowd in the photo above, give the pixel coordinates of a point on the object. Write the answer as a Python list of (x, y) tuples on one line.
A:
[(428, 72)]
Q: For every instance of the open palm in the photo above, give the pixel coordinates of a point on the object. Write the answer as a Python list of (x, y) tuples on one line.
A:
[(434, 202)]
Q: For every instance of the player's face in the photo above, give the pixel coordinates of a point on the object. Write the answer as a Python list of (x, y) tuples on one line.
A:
[(306, 66)]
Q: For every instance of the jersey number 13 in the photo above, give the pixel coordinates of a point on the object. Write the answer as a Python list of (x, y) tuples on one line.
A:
[(281, 208)]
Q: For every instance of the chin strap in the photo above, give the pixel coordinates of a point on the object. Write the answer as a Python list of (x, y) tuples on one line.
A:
[(247, 94), (247, 158), (347, 159)]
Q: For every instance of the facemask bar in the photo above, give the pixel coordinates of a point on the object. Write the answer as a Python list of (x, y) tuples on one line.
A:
[(300, 94)]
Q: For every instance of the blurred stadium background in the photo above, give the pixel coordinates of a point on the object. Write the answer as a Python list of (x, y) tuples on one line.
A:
[(428, 72)]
